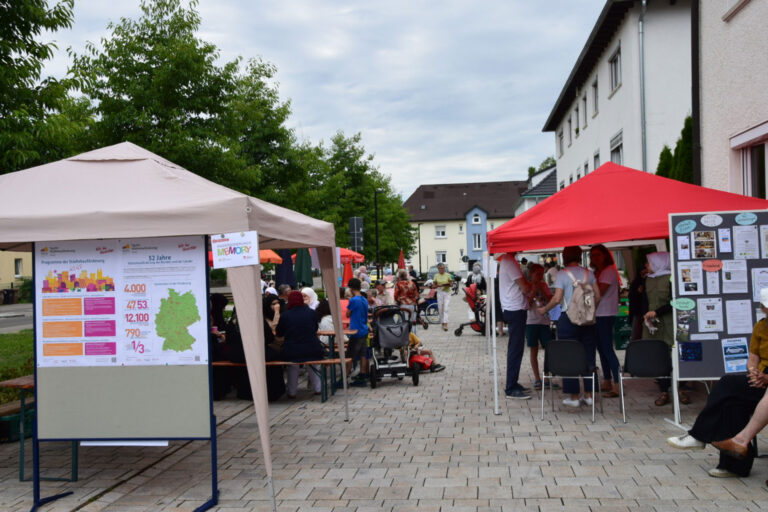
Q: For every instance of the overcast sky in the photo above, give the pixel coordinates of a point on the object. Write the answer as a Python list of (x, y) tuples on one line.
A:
[(441, 91)]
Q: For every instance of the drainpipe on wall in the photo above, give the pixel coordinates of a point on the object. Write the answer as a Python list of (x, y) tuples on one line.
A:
[(641, 34)]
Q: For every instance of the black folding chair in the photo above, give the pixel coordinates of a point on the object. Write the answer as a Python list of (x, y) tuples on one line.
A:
[(645, 359), (568, 359)]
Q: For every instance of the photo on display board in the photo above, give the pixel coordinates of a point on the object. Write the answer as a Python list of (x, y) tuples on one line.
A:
[(690, 351), (704, 245), (684, 321), (735, 355)]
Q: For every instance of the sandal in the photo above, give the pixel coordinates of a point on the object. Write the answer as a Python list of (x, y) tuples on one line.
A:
[(684, 398), (663, 399), (537, 385)]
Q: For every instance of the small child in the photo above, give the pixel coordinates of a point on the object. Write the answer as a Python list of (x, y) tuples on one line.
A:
[(414, 343)]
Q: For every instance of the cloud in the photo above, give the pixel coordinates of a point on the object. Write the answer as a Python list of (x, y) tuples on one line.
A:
[(441, 91)]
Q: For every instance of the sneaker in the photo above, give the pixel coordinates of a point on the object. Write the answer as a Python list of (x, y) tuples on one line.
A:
[(519, 394), (586, 401), (572, 402), (722, 473), (437, 368), (685, 442), (355, 372)]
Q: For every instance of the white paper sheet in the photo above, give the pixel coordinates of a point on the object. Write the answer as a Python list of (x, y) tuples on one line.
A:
[(764, 242), (683, 248), (735, 276), (739, 315), (724, 235), (745, 242), (710, 314), (713, 282), (759, 281)]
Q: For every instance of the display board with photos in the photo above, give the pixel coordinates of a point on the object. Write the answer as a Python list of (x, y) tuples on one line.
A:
[(719, 265)]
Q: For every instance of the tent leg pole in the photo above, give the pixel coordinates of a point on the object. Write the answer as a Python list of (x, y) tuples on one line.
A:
[(271, 487)]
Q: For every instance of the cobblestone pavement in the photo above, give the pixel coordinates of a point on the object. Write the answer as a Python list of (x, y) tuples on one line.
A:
[(435, 447)]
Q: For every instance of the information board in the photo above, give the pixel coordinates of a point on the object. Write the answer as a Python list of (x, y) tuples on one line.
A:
[(719, 265), (121, 341)]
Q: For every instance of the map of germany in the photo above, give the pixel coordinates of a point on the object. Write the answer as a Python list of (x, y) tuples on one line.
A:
[(176, 313)]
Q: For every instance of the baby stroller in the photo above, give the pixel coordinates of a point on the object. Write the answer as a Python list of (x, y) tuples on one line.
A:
[(389, 346), (476, 303)]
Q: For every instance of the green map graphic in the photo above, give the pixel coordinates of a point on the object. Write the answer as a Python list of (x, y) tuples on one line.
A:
[(176, 313)]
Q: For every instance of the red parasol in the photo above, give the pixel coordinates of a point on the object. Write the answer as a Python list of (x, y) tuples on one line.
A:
[(401, 260), (347, 275)]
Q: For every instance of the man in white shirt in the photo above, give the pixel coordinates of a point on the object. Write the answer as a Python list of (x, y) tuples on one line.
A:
[(513, 288)]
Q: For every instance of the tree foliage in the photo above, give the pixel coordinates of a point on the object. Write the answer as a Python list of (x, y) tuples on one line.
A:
[(678, 165), (38, 120), (152, 81), (665, 162)]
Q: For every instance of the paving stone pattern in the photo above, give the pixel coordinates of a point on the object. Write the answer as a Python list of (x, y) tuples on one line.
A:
[(435, 447)]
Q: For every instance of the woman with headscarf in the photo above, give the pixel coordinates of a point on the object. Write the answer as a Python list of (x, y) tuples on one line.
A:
[(298, 330), (658, 322), (275, 383), (310, 298)]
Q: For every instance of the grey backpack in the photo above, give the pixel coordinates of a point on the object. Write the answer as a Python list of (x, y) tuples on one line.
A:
[(581, 309)]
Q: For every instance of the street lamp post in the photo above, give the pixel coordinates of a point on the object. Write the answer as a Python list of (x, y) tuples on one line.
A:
[(376, 221)]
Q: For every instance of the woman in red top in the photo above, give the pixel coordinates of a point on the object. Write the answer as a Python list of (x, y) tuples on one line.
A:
[(406, 293)]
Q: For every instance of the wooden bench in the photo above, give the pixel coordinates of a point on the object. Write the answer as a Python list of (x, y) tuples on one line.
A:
[(14, 407), (322, 363)]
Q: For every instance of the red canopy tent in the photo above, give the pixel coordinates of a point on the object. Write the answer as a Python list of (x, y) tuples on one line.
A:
[(613, 203)]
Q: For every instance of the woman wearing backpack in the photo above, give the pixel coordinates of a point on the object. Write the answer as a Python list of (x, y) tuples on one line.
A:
[(572, 273)]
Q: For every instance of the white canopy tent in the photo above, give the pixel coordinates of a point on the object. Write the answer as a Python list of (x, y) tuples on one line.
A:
[(125, 191)]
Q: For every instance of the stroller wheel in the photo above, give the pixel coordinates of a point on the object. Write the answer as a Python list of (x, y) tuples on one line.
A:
[(372, 375), (416, 369), (424, 323), (458, 331)]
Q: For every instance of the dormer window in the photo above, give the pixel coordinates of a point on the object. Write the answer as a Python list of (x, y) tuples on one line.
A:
[(476, 219)]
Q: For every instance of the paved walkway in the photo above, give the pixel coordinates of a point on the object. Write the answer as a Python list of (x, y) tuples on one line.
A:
[(435, 447)]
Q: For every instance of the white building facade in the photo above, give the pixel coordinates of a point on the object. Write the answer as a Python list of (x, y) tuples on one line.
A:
[(451, 220), (733, 88), (629, 92)]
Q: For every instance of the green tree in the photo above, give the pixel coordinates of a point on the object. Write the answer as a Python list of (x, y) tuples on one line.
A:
[(682, 167), (156, 84), (665, 162), (348, 183), (678, 164), (34, 125), (547, 163)]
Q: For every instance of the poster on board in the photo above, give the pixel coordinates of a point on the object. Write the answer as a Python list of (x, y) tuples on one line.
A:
[(121, 302), (719, 265)]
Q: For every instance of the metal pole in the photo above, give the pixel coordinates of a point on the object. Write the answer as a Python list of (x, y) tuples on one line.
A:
[(495, 359), (376, 219), (420, 267)]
